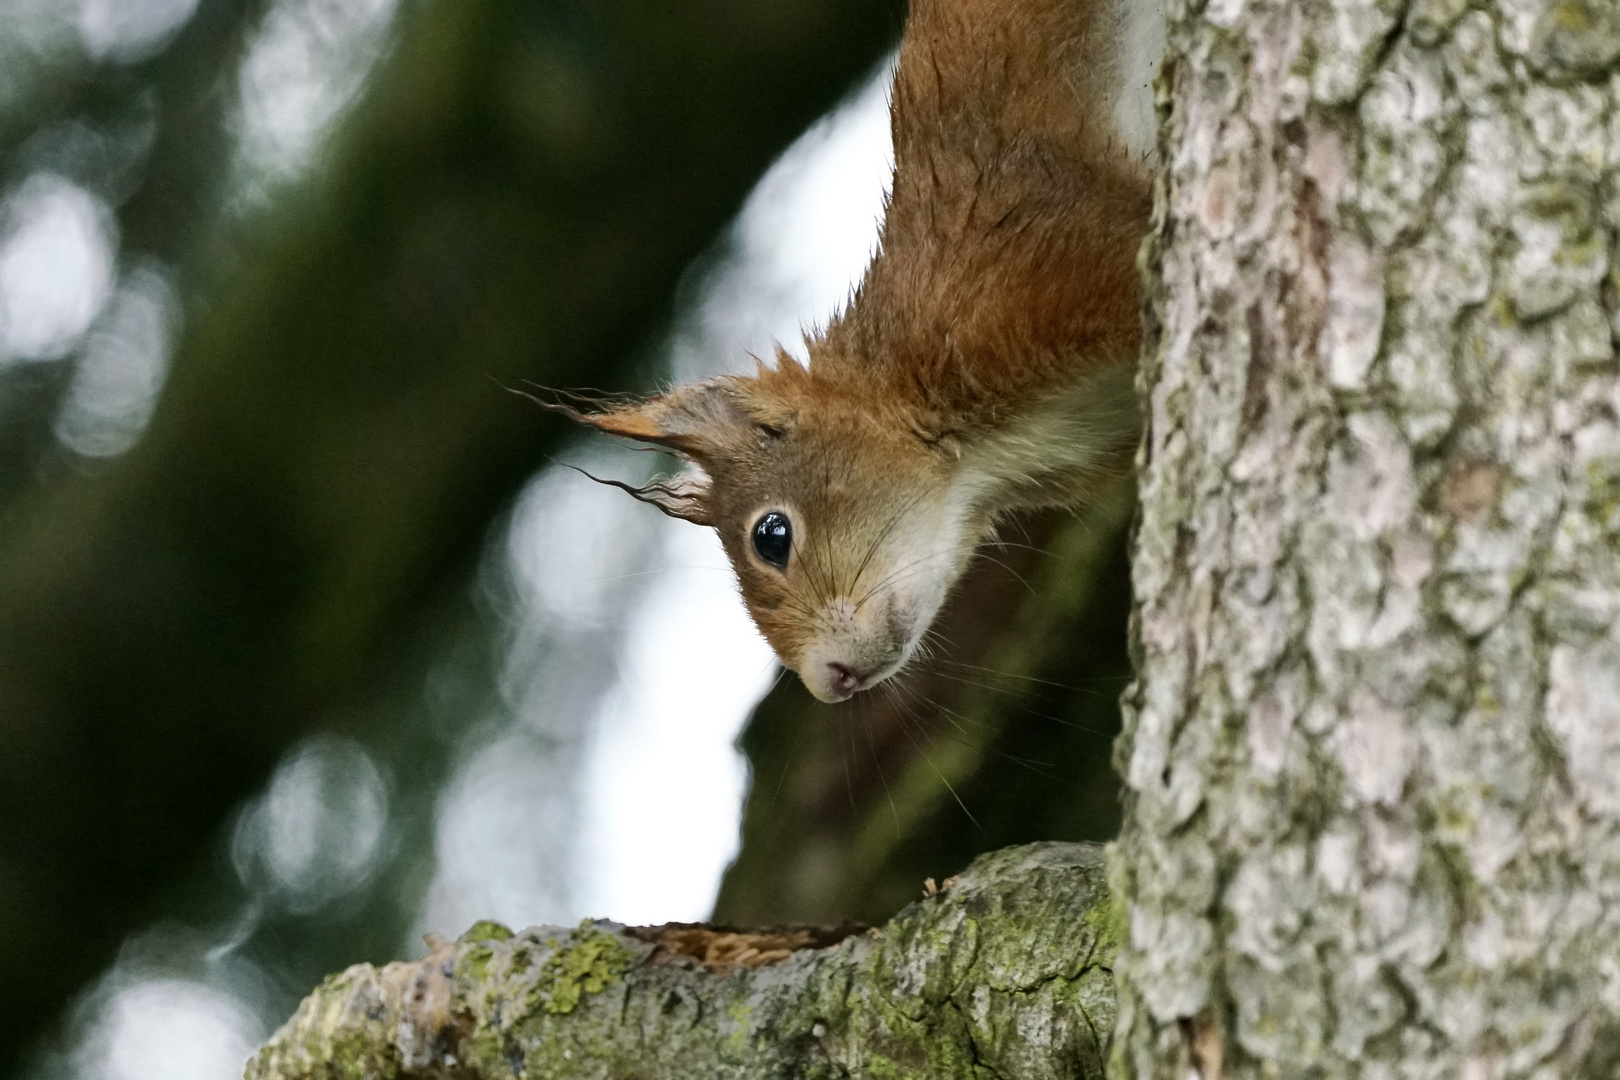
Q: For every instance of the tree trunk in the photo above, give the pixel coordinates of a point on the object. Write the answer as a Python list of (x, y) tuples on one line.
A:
[(1372, 759), (1003, 973)]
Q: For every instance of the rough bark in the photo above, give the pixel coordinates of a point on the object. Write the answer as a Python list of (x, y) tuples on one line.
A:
[(1003, 973), (1372, 760)]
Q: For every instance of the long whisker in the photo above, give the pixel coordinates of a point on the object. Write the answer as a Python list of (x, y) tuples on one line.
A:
[(792, 601), (1014, 675), (871, 744), (826, 542), (797, 601), (802, 560), (1013, 545), (934, 633), (989, 684), (1027, 763), (1020, 577), (953, 717), (894, 575), (1031, 712), (849, 783), (793, 748), (889, 526), (935, 768)]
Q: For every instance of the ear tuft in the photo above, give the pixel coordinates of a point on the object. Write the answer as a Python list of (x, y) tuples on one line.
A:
[(685, 497), (697, 421)]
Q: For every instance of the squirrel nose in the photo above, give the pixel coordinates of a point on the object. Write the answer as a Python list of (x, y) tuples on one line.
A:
[(844, 679)]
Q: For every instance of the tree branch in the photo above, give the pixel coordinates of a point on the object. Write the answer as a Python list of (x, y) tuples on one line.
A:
[(1005, 972)]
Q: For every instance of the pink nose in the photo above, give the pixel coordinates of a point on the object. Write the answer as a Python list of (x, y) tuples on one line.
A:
[(844, 679)]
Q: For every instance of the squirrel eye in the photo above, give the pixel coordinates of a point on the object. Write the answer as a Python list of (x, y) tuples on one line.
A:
[(773, 539)]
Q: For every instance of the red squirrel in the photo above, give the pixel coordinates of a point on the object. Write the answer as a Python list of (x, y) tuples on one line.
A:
[(984, 364)]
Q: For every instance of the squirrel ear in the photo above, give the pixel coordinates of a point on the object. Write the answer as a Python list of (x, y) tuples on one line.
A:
[(695, 421), (685, 497)]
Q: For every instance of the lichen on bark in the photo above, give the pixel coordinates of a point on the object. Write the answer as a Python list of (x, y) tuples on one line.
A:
[(1372, 759), (1004, 973)]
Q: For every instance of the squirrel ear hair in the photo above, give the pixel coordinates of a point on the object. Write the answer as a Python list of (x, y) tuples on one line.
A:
[(694, 421), (685, 497)]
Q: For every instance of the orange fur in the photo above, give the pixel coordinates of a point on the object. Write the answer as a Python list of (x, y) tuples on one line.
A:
[(978, 367), (1008, 253)]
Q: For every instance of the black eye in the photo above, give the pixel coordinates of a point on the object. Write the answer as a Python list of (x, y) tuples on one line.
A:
[(773, 539)]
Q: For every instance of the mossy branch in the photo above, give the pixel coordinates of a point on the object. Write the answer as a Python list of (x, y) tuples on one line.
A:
[(1005, 972)]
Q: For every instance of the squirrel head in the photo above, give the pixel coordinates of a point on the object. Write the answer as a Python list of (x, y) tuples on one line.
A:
[(846, 527)]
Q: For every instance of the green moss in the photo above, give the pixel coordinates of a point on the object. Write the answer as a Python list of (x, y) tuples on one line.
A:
[(741, 1014), (1576, 39), (473, 963), (881, 1068), (1107, 920), (854, 1004), (588, 963), (1499, 310), (1454, 819), (1602, 492), (362, 1057), (485, 930), (484, 1053), (1568, 206)]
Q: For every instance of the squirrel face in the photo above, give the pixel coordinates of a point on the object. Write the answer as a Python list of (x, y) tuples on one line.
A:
[(846, 531), (984, 363)]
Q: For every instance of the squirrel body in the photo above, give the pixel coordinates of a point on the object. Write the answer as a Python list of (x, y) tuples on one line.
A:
[(985, 363)]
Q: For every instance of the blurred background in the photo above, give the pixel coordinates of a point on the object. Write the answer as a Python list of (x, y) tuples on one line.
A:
[(310, 642)]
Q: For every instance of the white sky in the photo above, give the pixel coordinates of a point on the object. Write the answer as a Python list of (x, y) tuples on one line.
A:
[(58, 246), (122, 365), (130, 29), (663, 783), (168, 1029), (305, 64)]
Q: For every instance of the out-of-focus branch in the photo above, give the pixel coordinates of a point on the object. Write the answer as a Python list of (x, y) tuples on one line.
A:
[(1004, 972)]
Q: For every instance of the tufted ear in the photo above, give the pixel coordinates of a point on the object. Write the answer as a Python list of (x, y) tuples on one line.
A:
[(684, 497), (697, 421)]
